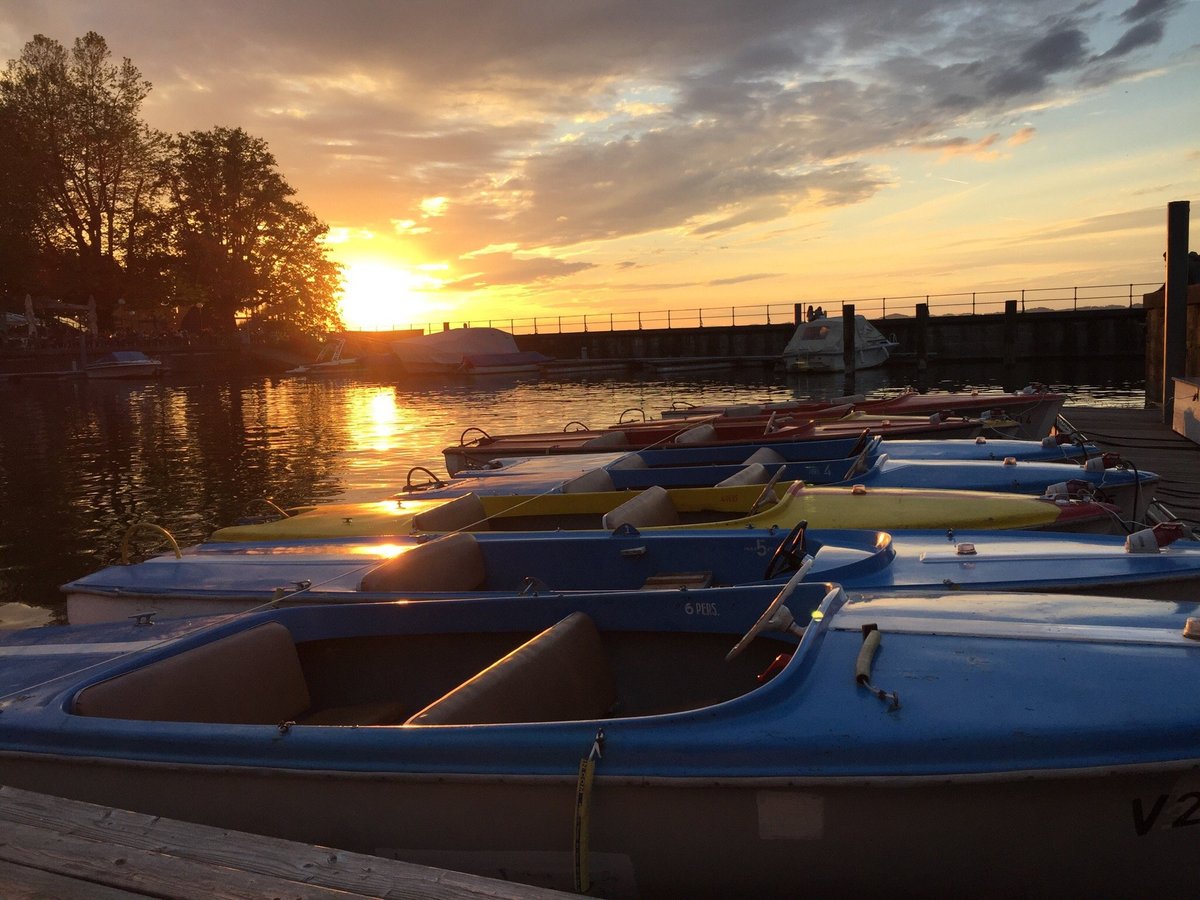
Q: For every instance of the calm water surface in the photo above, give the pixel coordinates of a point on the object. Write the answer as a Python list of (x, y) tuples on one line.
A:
[(82, 461)]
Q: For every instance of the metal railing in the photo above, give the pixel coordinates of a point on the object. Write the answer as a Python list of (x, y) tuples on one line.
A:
[(961, 303)]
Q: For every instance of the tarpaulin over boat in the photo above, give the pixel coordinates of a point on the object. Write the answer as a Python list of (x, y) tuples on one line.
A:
[(444, 351)]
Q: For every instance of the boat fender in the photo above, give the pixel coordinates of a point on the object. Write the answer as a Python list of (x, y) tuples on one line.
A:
[(862, 666), (1144, 541)]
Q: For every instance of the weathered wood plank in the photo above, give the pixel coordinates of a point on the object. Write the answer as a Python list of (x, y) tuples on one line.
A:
[(298, 865), (24, 883)]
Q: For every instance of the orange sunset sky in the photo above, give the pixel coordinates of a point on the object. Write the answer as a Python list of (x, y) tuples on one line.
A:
[(480, 160)]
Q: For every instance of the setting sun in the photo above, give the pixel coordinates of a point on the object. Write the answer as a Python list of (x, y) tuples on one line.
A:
[(378, 296)]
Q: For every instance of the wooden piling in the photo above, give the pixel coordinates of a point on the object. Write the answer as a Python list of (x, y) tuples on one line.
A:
[(1175, 304)]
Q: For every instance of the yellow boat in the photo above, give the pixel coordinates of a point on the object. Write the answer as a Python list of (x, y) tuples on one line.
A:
[(733, 506)]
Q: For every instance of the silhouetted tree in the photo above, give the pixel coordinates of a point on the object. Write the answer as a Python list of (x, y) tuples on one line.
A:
[(95, 169), (244, 245)]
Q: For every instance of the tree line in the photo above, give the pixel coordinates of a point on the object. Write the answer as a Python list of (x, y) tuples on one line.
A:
[(94, 203)]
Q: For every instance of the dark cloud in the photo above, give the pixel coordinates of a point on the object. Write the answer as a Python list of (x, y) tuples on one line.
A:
[(546, 124)]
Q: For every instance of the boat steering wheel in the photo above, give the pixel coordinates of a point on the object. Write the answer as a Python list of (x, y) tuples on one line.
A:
[(776, 616), (790, 553)]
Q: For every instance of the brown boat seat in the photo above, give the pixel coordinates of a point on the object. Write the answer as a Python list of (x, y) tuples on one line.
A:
[(755, 473), (252, 677), (629, 461), (465, 513), (451, 562), (698, 435), (765, 455), (615, 438), (560, 675), (590, 482), (650, 508)]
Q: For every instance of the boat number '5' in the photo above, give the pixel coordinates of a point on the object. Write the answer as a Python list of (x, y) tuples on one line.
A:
[(1183, 810), (701, 609)]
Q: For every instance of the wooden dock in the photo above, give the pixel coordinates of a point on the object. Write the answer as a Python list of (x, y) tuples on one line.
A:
[(1141, 437), (51, 847)]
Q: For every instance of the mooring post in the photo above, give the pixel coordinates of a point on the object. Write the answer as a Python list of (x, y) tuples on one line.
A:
[(922, 336), (1010, 332), (1175, 305), (848, 337)]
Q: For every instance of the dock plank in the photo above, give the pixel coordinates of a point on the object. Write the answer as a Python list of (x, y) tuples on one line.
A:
[(146, 854), (1141, 437), (26, 883)]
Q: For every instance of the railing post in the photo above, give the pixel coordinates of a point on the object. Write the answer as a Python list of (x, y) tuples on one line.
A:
[(639, 320), (668, 319), (700, 316), (972, 302), (1075, 299)]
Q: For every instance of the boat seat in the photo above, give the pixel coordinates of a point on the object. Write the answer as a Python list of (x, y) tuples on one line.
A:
[(647, 509), (465, 513), (698, 435), (765, 455), (755, 473), (616, 438), (590, 482), (560, 675), (252, 677), (630, 461), (452, 562)]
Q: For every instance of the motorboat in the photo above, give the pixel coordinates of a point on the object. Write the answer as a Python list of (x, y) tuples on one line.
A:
[(459, 351), (1035, 407), (124, 364), (331, 360), (1161, 562), (818, 346), (476, 447), (755, 743), (751, 499)]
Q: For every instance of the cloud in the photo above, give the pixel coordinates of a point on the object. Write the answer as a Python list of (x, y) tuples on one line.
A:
[(553, 125)]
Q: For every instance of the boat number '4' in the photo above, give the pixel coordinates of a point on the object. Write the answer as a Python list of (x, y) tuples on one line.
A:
[(1165, 812)]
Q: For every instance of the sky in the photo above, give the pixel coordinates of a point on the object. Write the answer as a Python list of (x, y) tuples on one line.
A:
[(481, 160)]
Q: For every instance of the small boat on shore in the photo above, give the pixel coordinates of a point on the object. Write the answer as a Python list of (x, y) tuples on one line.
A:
[(236, 576), (635, 746), (331, 361), (124, 364)]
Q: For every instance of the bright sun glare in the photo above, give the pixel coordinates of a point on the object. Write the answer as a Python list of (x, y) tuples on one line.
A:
[(379, 296)]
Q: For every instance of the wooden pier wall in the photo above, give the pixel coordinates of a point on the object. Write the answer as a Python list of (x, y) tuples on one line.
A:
[(1072, 334)]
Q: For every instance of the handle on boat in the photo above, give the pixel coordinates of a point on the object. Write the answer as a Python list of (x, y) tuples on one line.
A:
[(636, 409), (434, 481), (146, 526), (862, 666), (282, 513), (582, 426), (462, 438)]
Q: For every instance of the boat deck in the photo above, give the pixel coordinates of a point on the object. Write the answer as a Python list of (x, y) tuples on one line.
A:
[(1141, 437), (51, 847)]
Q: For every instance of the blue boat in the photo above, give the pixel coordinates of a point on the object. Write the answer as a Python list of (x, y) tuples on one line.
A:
[(1022, 745), (1108, 479), (232, 576)]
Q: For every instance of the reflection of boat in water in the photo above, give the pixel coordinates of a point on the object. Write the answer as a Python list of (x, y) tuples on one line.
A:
[(631, 723), (124, 364), (817, 346)]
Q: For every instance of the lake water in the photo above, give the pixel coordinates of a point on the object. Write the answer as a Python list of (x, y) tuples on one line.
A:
[(82, 461)]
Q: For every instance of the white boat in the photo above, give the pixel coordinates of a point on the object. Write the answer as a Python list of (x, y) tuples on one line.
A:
[(125, 364), (817, 346), (465, 351), (330, 361)]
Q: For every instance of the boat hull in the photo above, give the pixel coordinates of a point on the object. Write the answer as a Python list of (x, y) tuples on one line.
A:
[(1091, 833)]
